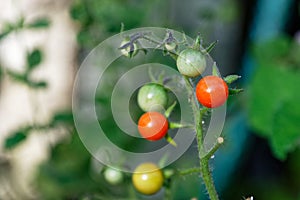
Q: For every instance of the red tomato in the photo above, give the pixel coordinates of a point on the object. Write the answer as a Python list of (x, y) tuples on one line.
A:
[(212, 91), (153, 126)]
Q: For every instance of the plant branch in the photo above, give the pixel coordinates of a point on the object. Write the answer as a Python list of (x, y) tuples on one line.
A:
[(207, 179), (189, 171)]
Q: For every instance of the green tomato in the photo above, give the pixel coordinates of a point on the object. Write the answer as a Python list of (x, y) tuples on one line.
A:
[(152, 97), (191, 62), (113, 176), (126, 51), (147, 178)]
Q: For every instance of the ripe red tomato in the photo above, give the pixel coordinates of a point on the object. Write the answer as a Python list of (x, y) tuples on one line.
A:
[(153, 126), (212, 91)]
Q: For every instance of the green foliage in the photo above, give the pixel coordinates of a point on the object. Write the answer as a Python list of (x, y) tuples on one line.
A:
[(24, 78), (100, 17), (20, 135), (19, 25), (66, 174), (39, 23), (34, 58), (15, 139), (286, 128), (274, 108)]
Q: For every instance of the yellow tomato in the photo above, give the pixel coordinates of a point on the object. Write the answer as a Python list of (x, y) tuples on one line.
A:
[(147, 178)]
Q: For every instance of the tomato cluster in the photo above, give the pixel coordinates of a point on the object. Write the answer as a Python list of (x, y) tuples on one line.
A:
[(211, 91)]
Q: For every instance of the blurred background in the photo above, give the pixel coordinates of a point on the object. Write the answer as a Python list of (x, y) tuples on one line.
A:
[(43, 42)]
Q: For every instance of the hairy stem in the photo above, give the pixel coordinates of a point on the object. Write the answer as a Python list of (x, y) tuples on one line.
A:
[(189, 171), (207, 179), (204, 161)]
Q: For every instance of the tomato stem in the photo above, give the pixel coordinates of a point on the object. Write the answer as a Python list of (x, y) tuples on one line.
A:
[(220, 141), (207, 179), (173, 125), (189, 171), (204, 161)]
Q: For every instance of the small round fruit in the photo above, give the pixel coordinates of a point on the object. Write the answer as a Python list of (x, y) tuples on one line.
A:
[(126, 51), (113, 176), (212, 91), (147, 178), (152, 97), (153, 126), (191, 62)]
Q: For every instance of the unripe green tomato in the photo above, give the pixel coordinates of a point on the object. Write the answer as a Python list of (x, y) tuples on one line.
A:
[(147, 178), (152, 97), (191, 63), (113, 176), (170, 46), (126, 51)]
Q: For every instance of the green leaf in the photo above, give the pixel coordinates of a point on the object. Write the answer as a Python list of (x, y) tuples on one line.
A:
[(274, 107), (17, 76), (15, 139), (79, 12), (270, 87), (234, 91), (63, 117), (272, 50), (231, 78), (4, 34), (34, 58), (170, 109), (36, 85), (286, 129), (170, 140), (211, 46), (39, 23), (215, 70)]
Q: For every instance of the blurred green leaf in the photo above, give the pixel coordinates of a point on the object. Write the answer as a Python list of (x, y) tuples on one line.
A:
[(235, 91), (4, 34), (67, 173), (37, 85), (17, 76), (273, 50), (78, 12), (34, 58), (286, 129), (231, 78), (63, 117), (39, 23), (15, 139), (1, 73), (273, 87), (20, 23)]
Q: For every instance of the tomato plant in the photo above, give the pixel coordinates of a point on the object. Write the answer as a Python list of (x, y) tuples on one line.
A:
[(191, 62), (212, 91), (153, 126), (147, 178), (128, 48), (152, 97), (170, 46)]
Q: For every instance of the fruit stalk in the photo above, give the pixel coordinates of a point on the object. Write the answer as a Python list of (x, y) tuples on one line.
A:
[(204, 161)]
